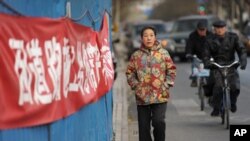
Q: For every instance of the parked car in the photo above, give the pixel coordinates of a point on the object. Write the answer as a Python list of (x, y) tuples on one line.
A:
[(169, 25), (183, 27), (133, 30)]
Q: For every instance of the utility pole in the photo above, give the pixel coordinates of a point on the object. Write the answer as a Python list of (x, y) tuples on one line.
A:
[(116, 15), (241, 10), (232, 11)]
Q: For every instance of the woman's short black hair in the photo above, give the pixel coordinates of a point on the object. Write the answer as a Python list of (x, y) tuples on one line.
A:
[(148, 27)]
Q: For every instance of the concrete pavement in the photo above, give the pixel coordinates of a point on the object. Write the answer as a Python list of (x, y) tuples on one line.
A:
[(120, 92), (120, 124)]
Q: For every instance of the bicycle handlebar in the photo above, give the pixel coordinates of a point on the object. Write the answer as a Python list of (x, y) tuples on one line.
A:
[(196, 58), (234, 64)]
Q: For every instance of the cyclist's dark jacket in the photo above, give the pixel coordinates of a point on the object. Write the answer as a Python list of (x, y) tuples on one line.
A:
[(223, 49), (195, 43)]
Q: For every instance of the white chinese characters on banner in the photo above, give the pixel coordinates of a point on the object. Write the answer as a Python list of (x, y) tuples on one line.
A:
[(107, 62), (88, 73), (68, 59), (54, 59), (41, 90), (30, 67), (22, 71)]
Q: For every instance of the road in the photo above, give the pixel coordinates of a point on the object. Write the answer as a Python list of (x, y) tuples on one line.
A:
[(184, 119)]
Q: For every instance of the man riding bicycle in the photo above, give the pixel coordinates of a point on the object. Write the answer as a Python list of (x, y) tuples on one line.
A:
[(195, 46), (222, 47)]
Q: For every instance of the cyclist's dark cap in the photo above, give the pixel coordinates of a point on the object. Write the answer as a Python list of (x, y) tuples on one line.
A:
[(202, 25), (219, 23)]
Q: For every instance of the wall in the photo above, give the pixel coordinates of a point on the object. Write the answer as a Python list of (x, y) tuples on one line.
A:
[(94, 121)]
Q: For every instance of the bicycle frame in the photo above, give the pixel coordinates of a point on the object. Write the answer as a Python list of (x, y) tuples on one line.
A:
[(201, 74), (226, 102)]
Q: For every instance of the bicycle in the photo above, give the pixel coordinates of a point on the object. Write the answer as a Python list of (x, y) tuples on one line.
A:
[(201, 73), (226, 102)]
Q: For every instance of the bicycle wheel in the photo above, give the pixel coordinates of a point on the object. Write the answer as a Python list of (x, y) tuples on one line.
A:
[(227, 115), (222, 115), (201, 96), (227, 105)]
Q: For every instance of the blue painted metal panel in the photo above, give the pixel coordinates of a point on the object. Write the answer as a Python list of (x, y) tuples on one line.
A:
[(94, 121), (38, 133), (40, 8), (90, 12), (89, 124)]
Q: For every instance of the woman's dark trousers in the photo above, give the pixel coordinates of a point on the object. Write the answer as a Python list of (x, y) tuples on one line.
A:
[(154, 113)]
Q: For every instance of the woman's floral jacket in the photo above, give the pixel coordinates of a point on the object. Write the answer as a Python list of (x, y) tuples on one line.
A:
[(150, 73)]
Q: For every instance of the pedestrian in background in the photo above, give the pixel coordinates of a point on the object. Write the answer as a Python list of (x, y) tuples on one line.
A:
[(150, 73)]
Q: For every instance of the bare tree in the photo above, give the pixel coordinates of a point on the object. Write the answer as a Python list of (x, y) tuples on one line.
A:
[(121, 9)]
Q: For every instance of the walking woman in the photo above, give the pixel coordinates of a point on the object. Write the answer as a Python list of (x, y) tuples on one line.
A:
[(150, 73)]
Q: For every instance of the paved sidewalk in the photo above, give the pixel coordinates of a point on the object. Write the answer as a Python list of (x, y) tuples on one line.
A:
[(120, 106), (120, 120)]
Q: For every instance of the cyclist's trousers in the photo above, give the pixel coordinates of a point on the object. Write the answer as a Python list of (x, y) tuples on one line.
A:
[(234, 83)]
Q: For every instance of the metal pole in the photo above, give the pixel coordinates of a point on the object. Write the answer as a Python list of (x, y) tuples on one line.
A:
[(68, 9), (117, 15)]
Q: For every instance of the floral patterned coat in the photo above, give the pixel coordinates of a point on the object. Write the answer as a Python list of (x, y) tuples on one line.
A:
[(150, 73)]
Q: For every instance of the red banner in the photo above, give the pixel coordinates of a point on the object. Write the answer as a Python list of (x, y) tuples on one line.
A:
[(50, 68)]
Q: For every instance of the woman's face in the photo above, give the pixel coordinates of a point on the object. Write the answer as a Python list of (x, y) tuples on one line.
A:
[(148, 38)]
